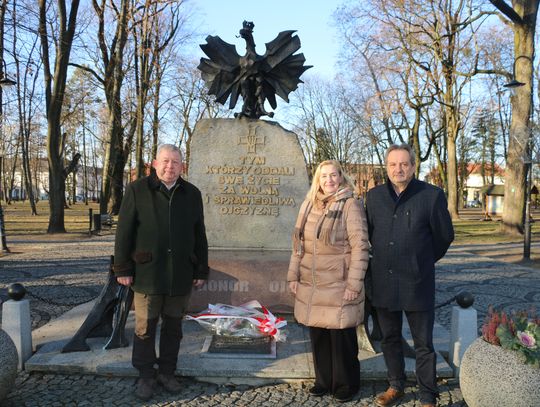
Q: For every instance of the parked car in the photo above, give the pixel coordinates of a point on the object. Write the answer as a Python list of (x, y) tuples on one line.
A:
[(474, 204)]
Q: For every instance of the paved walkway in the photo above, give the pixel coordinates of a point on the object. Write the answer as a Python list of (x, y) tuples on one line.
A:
[(75, 390), (67, 271)]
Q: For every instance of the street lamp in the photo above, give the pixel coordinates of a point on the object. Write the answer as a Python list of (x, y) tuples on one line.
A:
[(5, 82), (512, 85), (527, 222)]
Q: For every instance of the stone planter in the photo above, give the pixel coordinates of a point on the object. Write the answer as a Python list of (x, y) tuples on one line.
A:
[(492, 376), (9, 360)]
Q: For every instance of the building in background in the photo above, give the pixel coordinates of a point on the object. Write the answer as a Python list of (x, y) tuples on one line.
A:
[(76, 188)]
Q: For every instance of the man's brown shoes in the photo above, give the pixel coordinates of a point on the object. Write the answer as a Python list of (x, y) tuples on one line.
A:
[(389, 397)]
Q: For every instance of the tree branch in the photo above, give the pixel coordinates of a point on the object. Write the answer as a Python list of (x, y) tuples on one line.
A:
[(507, 10), (89, 70), (72, 165)]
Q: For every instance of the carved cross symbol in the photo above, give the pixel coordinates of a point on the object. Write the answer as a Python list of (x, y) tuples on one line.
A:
[(252, 141)]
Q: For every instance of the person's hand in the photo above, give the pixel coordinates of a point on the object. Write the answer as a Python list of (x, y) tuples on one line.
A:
[(293, 285), (350, 295), (127, 281), (198, 283)]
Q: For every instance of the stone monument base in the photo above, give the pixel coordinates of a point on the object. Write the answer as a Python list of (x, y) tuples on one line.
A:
[(240, 275)]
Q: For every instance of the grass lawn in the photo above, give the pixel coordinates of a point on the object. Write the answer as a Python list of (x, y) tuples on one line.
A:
[(481, 232), (18, 221), (470, 230)]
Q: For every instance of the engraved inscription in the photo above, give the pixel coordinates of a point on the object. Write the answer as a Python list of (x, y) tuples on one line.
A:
[(249, 186)]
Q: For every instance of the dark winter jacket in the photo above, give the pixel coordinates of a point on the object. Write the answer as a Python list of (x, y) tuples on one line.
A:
[(408, 235), (161, 239)]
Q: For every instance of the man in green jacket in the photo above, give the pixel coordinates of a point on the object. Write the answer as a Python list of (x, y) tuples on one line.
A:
[(161, 252)]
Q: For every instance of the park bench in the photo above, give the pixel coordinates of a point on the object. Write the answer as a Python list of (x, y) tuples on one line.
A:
[(100, 220)]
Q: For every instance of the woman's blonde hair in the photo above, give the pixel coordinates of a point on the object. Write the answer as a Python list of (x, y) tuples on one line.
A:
[(315, 185)]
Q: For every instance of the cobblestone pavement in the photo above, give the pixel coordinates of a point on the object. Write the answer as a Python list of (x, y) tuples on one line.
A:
[(62, 273), (58, 274), (493, 283), (79, 390)]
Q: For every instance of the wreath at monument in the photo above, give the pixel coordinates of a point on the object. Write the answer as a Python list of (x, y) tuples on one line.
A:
[(249, 320)]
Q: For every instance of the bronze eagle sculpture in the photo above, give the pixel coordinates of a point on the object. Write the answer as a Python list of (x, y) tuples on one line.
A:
[(256, 78)]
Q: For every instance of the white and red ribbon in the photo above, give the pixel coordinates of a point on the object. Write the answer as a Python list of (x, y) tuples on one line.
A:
[(265, 322)]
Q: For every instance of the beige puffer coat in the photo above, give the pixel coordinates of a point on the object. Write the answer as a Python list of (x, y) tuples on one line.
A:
[(324, 271)]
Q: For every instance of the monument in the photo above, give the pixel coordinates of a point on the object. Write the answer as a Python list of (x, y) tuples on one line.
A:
[(252, 173), (253, 178), (256, 78)]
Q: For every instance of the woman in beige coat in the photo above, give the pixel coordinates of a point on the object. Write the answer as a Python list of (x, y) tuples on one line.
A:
[(326, 275)]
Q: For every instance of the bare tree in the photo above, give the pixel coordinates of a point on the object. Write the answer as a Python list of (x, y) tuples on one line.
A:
[(522, 17), (111, 52), (55, 83), (27, 102), (326, 126), (191, 103), (146, 28), (80, 116), (155, 26), (434, 39)]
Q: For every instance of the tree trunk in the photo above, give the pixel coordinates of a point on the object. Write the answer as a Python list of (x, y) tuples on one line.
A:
[(57, 192), (520, 132), (54, 98), (139, 145), (13, 168), (105, 191), (453, 196), (155, 116), (57, 181), (452, 132), (117, 183), (28, 179), (112, 190), (113, 79), (415, 136)]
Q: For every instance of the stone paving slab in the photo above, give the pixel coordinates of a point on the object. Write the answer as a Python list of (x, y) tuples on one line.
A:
[(293, 362)]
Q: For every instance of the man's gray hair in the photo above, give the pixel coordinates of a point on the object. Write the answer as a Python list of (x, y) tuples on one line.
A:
[(169, 147), (404, 147)]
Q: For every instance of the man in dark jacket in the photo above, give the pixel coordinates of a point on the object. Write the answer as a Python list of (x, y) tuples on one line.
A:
[(161, 252), (409, 230)]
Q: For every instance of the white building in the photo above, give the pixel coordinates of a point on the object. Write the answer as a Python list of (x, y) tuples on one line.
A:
[(40, 181), (474, 183)]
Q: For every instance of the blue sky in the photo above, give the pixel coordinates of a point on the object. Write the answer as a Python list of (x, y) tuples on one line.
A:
[(311, 18)]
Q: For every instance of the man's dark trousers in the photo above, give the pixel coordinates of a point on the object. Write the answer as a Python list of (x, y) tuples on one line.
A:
[(148, 309), (421, 324)]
